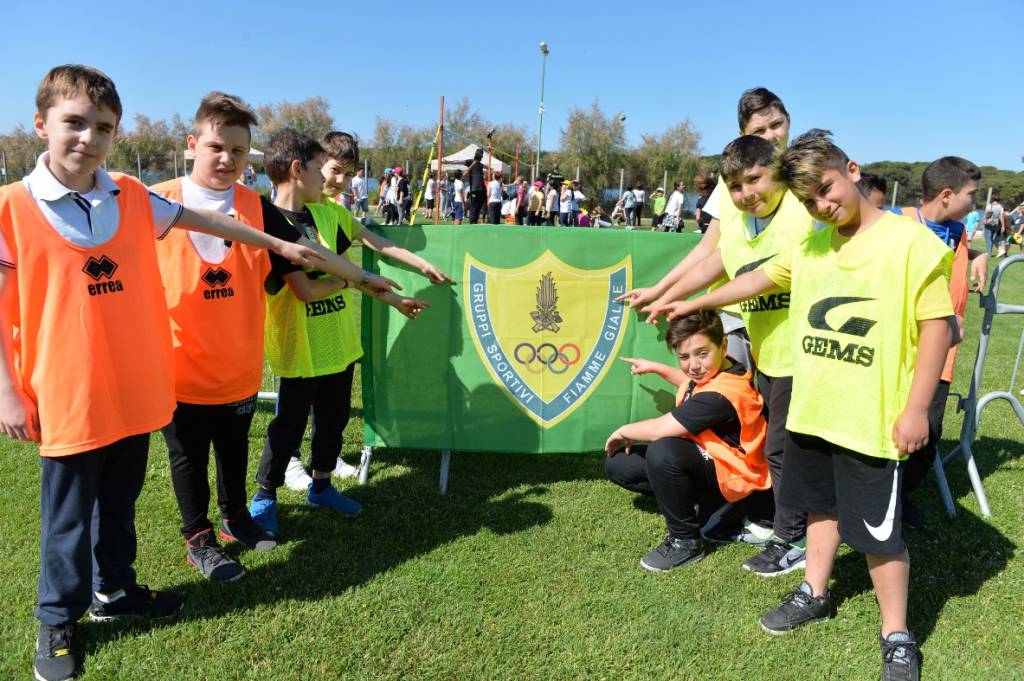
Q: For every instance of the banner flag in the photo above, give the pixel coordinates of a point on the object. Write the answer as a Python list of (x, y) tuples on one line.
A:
[(521, 353)]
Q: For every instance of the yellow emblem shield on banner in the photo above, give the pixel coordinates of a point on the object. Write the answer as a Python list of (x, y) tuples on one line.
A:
[(547, 332)]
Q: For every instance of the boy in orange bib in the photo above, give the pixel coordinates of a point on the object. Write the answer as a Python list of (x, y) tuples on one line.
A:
[(707, 451), (87, 366)]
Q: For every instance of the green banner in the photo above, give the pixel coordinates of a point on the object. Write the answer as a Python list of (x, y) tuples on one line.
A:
[(521, 353)]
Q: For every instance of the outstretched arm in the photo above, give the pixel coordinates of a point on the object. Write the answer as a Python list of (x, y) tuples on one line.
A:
[(708, 243), (741, 288), (386, 247), (707, 271), (226, 227)]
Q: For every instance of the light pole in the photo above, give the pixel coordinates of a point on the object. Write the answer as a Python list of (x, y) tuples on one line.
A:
[(540, 112)]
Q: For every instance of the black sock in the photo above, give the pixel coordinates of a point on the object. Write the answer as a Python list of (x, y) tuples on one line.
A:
[(320, 485), (266, 493)]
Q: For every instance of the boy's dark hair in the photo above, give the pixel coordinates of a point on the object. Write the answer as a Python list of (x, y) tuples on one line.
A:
[(341, 147), (706, 322), (220, 109), (285, 146), (948, 172), (746, 152), (870, 181), (458, 174), (757, 99), (478, 155), (808, 158), (64, 82)]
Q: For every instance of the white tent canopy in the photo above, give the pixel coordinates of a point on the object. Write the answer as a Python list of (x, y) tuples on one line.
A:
[(255, 155), (457, 161)]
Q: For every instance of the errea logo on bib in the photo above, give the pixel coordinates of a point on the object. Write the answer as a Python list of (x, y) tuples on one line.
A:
[(99, 270), (830, 348)]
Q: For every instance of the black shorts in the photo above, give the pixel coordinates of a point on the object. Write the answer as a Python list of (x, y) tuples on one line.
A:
[(430, 204), (863, 492)]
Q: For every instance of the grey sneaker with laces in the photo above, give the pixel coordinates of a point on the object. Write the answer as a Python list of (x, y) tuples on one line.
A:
[(899, 657), (673, 553), (798, 608), (206, 555)]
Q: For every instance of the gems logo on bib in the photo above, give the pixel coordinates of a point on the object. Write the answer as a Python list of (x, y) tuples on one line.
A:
[(547, 331)]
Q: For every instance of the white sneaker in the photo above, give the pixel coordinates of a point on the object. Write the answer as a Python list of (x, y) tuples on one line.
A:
[(296, 477), (344, 470)]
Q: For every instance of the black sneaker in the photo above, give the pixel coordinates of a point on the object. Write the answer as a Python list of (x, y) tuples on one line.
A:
[(673, 553), (777, 559), (899, 657), (798, 608), (244, 530), (137, 601), (206, 555), (56, 658)]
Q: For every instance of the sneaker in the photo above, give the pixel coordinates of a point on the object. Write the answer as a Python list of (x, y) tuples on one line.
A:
[(799, 607), (295, 476), (344, 470), (747, 533), (264, 514), (206, 555), (56, 658), (137, 601), (334, 500), (899, 657), (777, 559), (244, 530), (673, 553)]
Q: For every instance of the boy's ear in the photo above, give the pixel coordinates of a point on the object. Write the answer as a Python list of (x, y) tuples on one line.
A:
[(853, 170), (295, 168), (946, 194), (190, 142), (39, 125)]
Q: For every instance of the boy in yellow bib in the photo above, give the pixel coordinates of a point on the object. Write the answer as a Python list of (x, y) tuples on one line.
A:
[(767, 223), (311, 337), (871, 325)]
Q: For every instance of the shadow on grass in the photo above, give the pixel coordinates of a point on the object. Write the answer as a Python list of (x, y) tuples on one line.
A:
[(952, 557), (404, 518)]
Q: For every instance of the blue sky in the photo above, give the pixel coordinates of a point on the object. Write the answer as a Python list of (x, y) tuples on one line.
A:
[(893, 80)]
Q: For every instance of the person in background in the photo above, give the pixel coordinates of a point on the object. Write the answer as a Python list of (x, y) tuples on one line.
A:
[(551, 204), (628, 203), (494, 199), (535, 204), (673, 221), (583, 219), (360, 206), (475, 173), (874, 187), (994, 222), (705, 185), (658, 200), (598, 218), (458, 197), (403, 195), (972, 221), (429, 193), (522, 189), (639, 196)]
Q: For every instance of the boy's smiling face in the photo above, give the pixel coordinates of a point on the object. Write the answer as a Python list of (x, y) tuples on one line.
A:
[(769, 124), (754, 192), (220, 155), (699, 358), (836, 199), (337, 176), (78, 136)]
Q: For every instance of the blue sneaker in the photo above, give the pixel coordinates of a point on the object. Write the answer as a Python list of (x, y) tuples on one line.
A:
[(334, 500), (264, 512)]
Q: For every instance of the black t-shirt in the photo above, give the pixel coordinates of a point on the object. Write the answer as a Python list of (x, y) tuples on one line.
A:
[(296, 224), (476, 178), (556, 177), (705, 217), (710, 410), (403, 189)]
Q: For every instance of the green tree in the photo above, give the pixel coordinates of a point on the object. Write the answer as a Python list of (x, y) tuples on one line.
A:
[(21, 147), (597, 143), (675, 151), (311, 116)]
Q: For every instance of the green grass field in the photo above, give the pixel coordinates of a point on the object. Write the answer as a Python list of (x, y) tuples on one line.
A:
[(528, 569)]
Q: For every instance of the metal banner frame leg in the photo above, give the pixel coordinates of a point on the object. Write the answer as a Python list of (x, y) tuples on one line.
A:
[(364, 464), (446, 460), (972, 406)]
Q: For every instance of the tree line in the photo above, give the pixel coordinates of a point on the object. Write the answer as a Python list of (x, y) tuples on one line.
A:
[(590, 139)]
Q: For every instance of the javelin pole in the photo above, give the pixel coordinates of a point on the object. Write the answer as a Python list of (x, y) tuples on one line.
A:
[(440, 160)]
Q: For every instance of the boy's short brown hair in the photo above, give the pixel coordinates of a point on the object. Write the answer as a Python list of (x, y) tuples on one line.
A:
[(948, 172), (220, 109), (757, 99), (705, 322), (64, 82), (341, 147), (808, 158), (746, 152), (285, 146)]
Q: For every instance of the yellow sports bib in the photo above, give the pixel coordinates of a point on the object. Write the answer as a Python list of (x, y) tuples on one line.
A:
[(852, 313), (726, 211), (767, 315), (319, 337)]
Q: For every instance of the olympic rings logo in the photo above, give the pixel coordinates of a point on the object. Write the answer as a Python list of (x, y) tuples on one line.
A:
[(542, 360)]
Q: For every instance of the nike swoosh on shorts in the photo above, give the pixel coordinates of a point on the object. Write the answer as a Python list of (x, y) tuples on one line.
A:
[(884, 531)]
